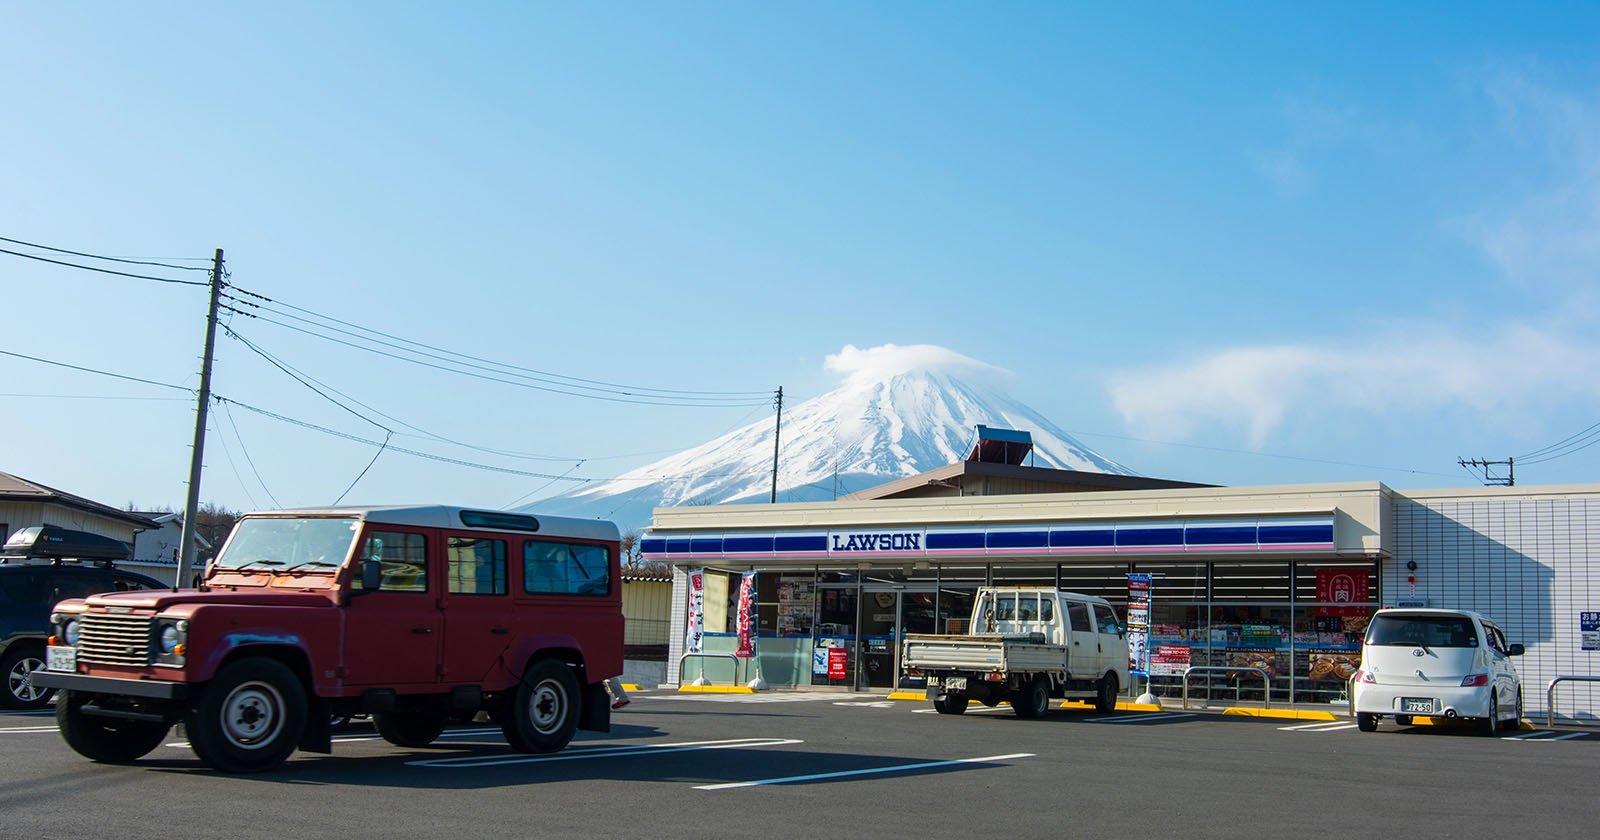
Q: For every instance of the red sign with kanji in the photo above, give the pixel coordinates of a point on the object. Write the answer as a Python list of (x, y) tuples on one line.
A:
[(1341, 586)]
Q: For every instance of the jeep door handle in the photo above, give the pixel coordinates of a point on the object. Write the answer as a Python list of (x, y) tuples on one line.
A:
[(500, 631), (422, 630)]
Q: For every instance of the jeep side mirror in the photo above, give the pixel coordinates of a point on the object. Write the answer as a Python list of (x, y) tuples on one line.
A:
[(1518, 650), (371, 575)]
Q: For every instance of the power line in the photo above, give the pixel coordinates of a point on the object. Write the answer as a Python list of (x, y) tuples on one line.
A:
[(93, 370), (93, 397), (233, 465), (1566, 442), (106, 270), (127, 260), (249, 460), (535, 374)]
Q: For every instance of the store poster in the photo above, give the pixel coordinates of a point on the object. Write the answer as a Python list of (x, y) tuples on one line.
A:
[(821, 653), (838, 663), (1139, 587), (695, 629), (1589, 630), (1332, 665), (746, 619), (796, 603), (1338, 587), (1169, 661)]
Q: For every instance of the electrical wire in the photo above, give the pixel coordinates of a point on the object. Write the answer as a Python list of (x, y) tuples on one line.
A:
[(364, 471), (547, 377), (127, 260), (106, 270), (249, 460), (1589, 432), (233, 465), (291, 374), (93, 370)]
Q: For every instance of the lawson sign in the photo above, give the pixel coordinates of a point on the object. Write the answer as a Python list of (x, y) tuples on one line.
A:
[(876, 542)]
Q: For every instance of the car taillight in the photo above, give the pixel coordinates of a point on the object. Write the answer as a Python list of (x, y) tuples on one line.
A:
[(1366, 677), (1474, 679)]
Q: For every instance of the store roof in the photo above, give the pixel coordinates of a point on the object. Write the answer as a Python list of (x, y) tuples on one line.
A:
[(982, 478)]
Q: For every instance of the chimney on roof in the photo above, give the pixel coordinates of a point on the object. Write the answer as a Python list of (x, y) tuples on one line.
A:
[(1001, 446)]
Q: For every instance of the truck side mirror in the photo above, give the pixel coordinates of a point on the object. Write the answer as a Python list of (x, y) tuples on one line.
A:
[(371, 575), (1518, 650)]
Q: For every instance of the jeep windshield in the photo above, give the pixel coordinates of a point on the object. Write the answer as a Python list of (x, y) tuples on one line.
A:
[(281, 544)]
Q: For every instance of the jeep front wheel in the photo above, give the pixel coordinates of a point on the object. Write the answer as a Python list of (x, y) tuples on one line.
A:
[(250, 717), (543, 712), (105, 739)]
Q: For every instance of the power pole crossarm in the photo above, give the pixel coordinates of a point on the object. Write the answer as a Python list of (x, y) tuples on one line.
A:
[(191, 508)]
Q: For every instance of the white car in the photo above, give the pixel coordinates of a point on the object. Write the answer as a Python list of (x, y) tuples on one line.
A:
[(1434, 663)]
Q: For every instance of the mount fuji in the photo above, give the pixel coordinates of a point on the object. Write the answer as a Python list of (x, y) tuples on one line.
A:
[(900, 410)]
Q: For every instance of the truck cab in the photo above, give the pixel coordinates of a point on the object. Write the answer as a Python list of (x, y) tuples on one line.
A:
[(409, 613)]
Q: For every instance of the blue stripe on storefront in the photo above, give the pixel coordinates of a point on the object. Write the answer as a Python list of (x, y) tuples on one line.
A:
[(1149, 537), (954, 541), (1083, 538), (1231, 535), (1270, 534), (1019, 539)]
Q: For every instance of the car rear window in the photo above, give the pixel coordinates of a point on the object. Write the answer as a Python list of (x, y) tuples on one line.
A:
[(1446, 631)]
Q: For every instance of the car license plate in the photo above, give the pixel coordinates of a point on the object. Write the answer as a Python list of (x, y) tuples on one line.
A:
[(1417, 705), (58, 658), (955, 684)]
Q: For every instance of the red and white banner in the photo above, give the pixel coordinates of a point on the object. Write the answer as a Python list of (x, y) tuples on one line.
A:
[(747, 616), (695, 627)]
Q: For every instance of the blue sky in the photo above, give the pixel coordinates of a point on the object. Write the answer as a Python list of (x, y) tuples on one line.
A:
[(1251, 245)]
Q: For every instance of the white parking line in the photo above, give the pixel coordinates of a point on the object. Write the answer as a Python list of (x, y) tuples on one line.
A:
[(1141, 718), (26, 730), (1539, 735), (870, 771), (1319, 726), (621, 751), (979, 711), (352, 739)]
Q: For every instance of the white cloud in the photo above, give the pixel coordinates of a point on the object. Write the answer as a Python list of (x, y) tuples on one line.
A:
[(875, 364), (1258, 388)]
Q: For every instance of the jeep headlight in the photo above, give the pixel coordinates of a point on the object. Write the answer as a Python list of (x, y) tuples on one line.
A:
[(71, 631), (170, 637)]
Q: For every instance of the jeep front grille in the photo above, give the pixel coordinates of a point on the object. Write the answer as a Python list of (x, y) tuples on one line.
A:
[(106, 639)]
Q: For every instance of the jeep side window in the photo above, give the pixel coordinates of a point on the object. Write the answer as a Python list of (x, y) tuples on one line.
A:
[(404, 558), (477, 566), (551, 568)]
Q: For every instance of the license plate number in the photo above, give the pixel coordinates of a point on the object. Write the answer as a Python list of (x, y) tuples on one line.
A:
[(955, 684), (59, 658), (1422, 705)]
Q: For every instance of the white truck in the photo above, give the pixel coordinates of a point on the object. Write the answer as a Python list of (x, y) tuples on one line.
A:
[(1027, 646)]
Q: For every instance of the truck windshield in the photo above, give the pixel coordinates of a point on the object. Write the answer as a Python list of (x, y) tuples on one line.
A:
[(279, 544)]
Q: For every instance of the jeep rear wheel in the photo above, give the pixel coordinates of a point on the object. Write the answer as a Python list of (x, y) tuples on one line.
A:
[(250, 717), (543, 712), (19, 667), (105, 739), (411, 727)]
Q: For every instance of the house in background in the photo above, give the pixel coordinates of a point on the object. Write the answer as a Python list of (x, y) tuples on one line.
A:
[(25, 503), (155, 552)]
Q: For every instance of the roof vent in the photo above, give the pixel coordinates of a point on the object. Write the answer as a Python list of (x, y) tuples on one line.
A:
[(1001, 446)]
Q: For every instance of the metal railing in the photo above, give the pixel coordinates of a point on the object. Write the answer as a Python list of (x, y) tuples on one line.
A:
[(1550, 696), (702, 656), (1266, 680)]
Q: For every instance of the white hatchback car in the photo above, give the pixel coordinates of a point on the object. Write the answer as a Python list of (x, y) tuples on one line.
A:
[(1436, 663)]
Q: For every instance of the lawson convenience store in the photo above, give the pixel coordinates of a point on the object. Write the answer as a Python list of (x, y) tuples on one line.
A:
[(1283, 579)]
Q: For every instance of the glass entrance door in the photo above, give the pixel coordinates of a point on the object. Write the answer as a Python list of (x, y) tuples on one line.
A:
[(879, 624)]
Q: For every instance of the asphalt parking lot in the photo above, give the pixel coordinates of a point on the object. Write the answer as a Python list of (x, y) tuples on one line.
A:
[(830, 765)]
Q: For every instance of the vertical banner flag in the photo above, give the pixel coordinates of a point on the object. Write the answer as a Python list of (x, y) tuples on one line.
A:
[(696, 625), (747, 616), (1139, 625)]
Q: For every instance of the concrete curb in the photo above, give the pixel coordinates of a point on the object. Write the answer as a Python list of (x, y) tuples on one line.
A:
[(716, 689), (1282, 714)]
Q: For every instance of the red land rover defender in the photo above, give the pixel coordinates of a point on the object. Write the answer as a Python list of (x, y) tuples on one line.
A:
[(412, 614)]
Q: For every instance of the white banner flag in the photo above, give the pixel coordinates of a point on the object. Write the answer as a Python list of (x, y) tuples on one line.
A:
[(696, 625)]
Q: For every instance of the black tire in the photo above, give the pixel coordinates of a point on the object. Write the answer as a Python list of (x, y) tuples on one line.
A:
[(103, 739), (250, 717), (338, 723), (1491, 724), (1033, 701), (1366, 722), (411, 727), (1402, 720), (19, 666), (1515, 722), (543, 712), (1105, 696), (951, 704)]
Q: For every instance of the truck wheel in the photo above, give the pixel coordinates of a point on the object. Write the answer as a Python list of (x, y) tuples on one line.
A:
[(411, 727), (1366, 722), (103, 739), (1033, 701), (951, 704), (250, 717), (19, 692), (543, 714), (1105, 696)]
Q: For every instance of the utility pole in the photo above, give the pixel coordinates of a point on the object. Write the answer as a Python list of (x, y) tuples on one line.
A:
[(1509, 479), (776, 431), (191, 508)]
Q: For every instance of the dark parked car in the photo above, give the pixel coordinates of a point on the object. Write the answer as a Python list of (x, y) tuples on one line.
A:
[(32, 582)]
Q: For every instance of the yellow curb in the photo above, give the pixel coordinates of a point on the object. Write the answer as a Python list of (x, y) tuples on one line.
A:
[(716, 689), (631, 687), (1122, 706), (1285, 714), (908, 695)]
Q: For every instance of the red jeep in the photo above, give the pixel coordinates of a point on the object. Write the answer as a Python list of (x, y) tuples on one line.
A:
[(411, 614)]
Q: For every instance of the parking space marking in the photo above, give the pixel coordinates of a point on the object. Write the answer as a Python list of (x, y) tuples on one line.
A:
[(619, 751), (26, 730), (1141, 718), (990, 710), (988, 759), (353, 739), (1319, 726), (1539, 735), (871, 704)]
